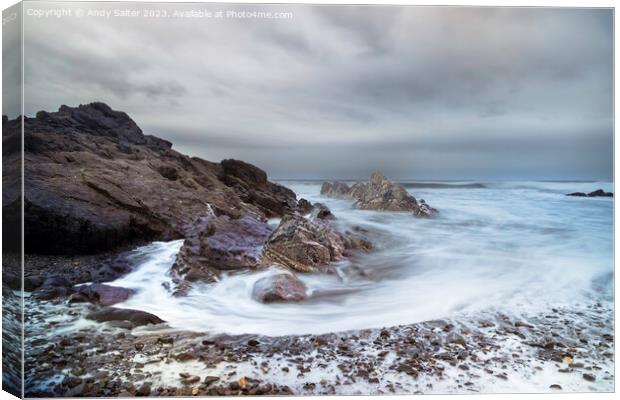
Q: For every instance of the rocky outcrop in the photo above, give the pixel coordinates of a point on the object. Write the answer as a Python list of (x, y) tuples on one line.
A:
[(379, 194), (94, 181), (321, 212), (283, 287), (220, 243), (134, 317), (596, 193), (104, 295), (307, 245)]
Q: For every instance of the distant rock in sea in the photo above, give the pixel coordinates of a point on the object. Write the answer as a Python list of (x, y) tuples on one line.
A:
[(379, 193), (596, 193)]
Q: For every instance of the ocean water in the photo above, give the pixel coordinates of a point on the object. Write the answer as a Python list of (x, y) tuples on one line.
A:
[(514, 247)]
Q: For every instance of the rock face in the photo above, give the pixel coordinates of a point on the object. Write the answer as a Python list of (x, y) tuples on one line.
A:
[(306, 245), (596, 193), (135, 317), (94, 181), (104, 295), (221, 243), (284, 287), (380, 194)]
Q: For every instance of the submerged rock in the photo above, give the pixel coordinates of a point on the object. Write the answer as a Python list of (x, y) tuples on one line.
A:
[(596, 193), (283, 287), (136, 317), (379, 194)]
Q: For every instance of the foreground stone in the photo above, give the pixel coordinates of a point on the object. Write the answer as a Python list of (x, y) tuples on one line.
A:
[(310, 245), (596, 193), (378, 194), (104, 295), (135, 317), (216, 244), (283, 287)]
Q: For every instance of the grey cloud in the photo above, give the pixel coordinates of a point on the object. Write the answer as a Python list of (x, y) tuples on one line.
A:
[(427, 92)]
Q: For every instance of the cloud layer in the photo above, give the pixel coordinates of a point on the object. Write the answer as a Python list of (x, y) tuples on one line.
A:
[(337, 91)]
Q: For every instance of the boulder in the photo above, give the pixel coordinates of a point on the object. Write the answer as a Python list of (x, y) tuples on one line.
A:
[(282, 287), (94, 181), (304, 245), (221, 243), (424, 210), (104, 295), (52, 288), (596, 193), (304, 206), (136, 317)]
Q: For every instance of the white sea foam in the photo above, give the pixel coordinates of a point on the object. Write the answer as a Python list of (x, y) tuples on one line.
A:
[(514, 247)]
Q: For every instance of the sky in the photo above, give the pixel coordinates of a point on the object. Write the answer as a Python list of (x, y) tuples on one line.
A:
[(339, 91)]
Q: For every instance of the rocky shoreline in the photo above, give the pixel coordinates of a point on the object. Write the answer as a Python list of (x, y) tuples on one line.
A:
[(564, 349)]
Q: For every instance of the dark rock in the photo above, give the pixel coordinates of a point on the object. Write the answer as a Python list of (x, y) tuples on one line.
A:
[(210, 379), (144, 390), (596, 193), (320, 211), (589, 377), (304, 206), (284, 287), (94, 181), (335, 189), (221, 243), (555, 387), (136, 317), (52, 288), (104, 295)]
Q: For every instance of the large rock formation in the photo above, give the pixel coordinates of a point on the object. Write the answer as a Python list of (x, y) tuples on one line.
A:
[(94, 180), (379, 193)]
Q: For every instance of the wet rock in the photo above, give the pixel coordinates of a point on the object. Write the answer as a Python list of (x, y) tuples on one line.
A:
[(304, 206), (211, 379), (104, 295), (144, 390), (52, 288), (136, 317), (589, 377), (303, 245), (283, 287), (322, 212), (596, 193), (378, 194), (555, 387), (221, 243)]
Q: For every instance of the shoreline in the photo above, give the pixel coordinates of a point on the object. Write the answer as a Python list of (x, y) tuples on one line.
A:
[(489, 353)]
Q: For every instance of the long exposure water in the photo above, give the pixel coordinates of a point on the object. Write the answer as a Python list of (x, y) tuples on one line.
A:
[(514, 247)]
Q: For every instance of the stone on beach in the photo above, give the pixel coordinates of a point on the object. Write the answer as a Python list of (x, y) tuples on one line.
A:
[(136, 317), (104, 295), (282, 287)]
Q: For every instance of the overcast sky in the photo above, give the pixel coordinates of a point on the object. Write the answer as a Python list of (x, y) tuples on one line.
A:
[(337, 91)]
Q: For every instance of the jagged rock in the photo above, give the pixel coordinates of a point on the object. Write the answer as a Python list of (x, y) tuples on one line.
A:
[(94, 181), (221, 243), (136, 317), (596, 193), (378, 194), (284, 287), (304, 206), (335, 189), (104, 295), (320, 211), (424, 210), (304, 245)]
